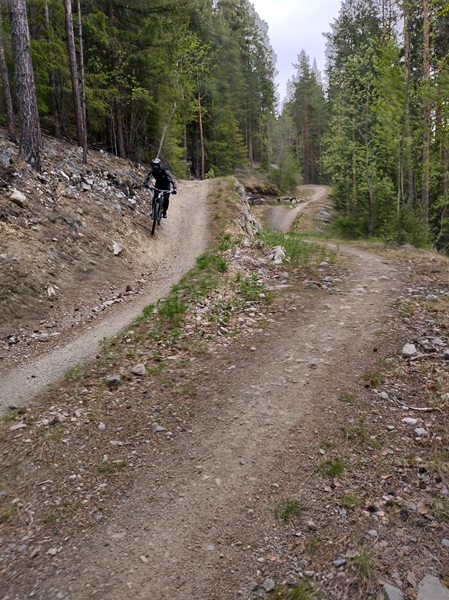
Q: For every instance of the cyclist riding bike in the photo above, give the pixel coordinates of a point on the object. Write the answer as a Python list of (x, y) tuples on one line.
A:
[(163, 178)]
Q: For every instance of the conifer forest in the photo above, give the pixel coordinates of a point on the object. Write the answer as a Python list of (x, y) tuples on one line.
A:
[(194, 82)]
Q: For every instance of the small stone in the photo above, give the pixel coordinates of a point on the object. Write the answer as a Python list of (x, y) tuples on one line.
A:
[(43, 337), (311, 525), (420, 431), (143, 558), (139, 369), (408, 350), (373, 533), (18, 198), (117, 249), (383, 395), (431, 298), (339, 562), (113, 380), (52, 551), (101, 426), (253, 586), (430, 588), (34, 552), (157, 428), (18, 426), (253, 349), (268, 585), (309, 573), (445, 542), (410, 421), (392, 593)]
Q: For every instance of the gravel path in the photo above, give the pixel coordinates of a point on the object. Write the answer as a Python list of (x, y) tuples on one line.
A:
[(196, 522), (282, 217), (171, 252)]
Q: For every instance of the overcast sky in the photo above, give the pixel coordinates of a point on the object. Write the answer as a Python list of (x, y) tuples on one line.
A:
[(296, 25)]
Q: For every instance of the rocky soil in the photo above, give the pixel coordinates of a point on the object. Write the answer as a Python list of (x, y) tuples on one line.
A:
[(288, 438)]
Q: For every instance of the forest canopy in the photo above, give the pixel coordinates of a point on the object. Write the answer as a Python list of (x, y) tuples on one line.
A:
[(193, 82)]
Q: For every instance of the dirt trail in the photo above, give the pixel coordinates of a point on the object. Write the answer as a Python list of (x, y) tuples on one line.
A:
[(171, 252), (282, 217), (195, 523)]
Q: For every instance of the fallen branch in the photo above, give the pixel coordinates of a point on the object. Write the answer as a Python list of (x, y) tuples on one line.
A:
[(426, 409)]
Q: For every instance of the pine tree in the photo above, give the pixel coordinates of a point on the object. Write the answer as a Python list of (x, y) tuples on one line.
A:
[(30, 132)]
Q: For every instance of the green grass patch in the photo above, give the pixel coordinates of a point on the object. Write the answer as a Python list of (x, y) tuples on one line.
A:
[(303, 591), (10, 415), (373, 378), (332, 467), (350, 501), (289, 509), (348, 398), (112, 467), (8, 511), (299, 252), (252, 289), (48, 517)]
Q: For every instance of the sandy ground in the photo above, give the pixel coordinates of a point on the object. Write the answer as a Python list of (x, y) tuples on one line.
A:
[(171, 252), (194, 523)]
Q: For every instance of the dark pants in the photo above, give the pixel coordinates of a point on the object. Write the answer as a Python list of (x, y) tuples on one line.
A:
[(166, 202)]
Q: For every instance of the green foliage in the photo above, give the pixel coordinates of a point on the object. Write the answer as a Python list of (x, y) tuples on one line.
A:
[(374, 151), (253, 290), (303, 591), (289, 509), (112, 467), (9, 416), (350, 501), (332, 467), (298, 251)]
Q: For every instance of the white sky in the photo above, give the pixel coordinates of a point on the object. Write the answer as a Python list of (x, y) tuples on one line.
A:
[(296, 25)]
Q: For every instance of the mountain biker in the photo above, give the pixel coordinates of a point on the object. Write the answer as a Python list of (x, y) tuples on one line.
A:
[(163, 179)]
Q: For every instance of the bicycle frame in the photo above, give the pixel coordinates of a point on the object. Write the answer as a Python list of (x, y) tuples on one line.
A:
[(157, 207)]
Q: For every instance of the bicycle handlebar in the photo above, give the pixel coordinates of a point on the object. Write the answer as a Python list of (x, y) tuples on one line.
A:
[(155, 189)]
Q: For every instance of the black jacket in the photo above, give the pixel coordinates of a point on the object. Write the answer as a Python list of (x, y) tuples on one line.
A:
[(163, 178)]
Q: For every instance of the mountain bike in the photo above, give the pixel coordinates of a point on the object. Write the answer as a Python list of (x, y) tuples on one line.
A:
[(157, 207)]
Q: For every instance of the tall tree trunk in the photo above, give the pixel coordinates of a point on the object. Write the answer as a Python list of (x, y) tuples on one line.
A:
[(83, 78), (52, 81), (8, 100), (30, 129), (426, 112), (80, 131), (406, 146), (200, 123), (354, 174), (116, 101)]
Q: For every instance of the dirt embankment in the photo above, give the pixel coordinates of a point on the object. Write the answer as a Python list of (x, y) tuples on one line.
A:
[(63, 287)]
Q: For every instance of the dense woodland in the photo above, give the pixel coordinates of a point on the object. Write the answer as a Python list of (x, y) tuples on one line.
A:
[(193, 80)]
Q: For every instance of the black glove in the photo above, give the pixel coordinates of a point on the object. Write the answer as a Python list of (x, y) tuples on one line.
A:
[(174, 191)]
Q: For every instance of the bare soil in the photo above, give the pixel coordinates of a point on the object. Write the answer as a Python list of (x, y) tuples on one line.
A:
[(234, 488)]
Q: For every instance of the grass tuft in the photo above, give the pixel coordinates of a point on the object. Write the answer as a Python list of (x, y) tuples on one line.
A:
[(289, 509), (332, 467)]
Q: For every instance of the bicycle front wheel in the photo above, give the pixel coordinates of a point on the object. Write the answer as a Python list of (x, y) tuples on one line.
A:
[(154, 216)]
